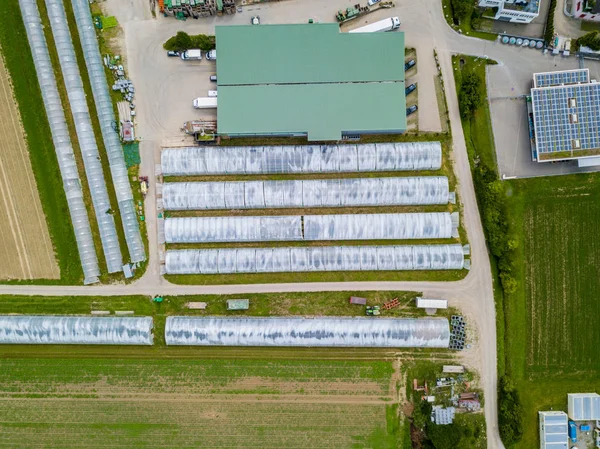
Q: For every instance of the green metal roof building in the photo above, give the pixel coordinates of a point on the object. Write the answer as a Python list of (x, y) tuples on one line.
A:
[(309, 80)]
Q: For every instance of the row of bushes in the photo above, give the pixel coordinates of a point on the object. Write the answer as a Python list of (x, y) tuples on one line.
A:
[(590, 40), (183, 41), (549, 33), (510, 412)]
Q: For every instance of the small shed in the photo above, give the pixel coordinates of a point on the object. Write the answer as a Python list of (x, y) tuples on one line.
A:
[(238, 304), (453, 369), (127, 271), (358, 300), (423, 303)]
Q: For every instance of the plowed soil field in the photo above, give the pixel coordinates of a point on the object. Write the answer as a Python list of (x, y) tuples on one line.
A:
[(25, 245)]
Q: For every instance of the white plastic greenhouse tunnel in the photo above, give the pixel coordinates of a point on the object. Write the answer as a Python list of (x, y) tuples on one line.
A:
[(398, 156), (61, 140), (308, 193), (315, 259), (426, 225), (328, 332), (73, 330)]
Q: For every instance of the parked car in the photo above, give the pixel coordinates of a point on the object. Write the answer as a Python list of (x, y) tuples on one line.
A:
[(410, 88), (255, 20), (373, 2), (213, 78), (411, 109), (172, 54), (409, 64)]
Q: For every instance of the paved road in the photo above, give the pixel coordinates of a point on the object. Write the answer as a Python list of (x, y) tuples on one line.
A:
[(425, 29)]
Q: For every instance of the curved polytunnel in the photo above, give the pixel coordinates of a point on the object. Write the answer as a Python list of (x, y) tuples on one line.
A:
[(314, 259), (393, 156), (320, 331), (71, 330), (351, 192)]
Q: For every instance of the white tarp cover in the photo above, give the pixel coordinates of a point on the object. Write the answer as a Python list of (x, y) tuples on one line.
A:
[(303, 259), (61, 140), (302, 159), (424, 303), (308, 193), (72, 330), (85, 135), (233, 229), (106, 117), (334, 331), (426, 225)]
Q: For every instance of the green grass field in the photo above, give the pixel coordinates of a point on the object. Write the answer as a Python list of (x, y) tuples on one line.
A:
[(17, 56), (191, 402)]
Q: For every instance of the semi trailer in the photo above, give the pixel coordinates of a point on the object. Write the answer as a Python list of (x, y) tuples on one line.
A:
[(389, 24)]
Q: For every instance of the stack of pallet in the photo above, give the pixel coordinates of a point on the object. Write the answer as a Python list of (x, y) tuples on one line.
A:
[(183, 9)]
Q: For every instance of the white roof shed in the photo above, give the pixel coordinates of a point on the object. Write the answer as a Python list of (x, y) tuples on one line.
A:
[(584, 406), (553, 430), (424, 303)]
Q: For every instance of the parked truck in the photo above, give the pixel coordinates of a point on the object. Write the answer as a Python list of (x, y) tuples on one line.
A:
[(389, 24), (205, 102), (191, 54)]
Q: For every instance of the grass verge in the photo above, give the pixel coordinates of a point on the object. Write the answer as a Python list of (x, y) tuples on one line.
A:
[(19, 62), (464, 25)]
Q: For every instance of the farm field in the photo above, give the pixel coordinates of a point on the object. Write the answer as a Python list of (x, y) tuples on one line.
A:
[(169, 401), (24, 239), (553, 320)]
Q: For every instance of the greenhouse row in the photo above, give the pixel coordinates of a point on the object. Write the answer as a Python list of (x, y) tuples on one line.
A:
[(219, 331), (66, 330), (310, 193), (61, 140), (322, 331), (190, 161), (233, 229), (85, 135), (424, 225), (106, 118), (314, 259)]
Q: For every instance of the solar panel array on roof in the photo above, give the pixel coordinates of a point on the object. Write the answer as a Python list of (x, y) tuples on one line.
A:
[(553, 430), (320, 331), (567, 119), (397, 156), (564, 77), (309, 259), (308, 193)]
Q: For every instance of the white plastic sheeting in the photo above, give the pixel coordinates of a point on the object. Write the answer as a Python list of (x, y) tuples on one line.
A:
[(426, 225), (232, 229), (309, 193), (61, 140), (302, 159), (303, 259), (106, 116), (85, 135), (332, 332), (72, 330)]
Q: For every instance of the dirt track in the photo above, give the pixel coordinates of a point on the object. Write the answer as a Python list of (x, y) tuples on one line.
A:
[(24, 239)]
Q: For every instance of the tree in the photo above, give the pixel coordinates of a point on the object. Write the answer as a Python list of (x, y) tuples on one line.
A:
[(510, 412), (461, 8), (180, 42), (591, 40), (469, 97)]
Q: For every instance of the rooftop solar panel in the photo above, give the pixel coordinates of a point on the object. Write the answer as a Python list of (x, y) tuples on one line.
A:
[(565, 77), (567, 119)]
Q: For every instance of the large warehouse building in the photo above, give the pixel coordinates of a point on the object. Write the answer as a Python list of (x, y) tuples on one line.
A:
[(309, 80), (564, 116)]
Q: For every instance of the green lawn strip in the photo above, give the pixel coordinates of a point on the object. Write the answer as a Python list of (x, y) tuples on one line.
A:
[(19, 63), (97, 132), (465, 26), (589, 26), (66, 105)]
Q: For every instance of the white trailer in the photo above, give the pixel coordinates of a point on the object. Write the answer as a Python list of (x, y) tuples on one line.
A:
[(205, 102), (389, 24), (424, 303), (191, 54)]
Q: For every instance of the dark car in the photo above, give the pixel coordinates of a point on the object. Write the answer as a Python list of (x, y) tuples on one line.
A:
[(411, 109), (410, 88), (409, 64), (213, 78), (172, 54)]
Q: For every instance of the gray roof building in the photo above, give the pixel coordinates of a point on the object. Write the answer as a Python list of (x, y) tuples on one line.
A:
[(553, 430), (584, 406)]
